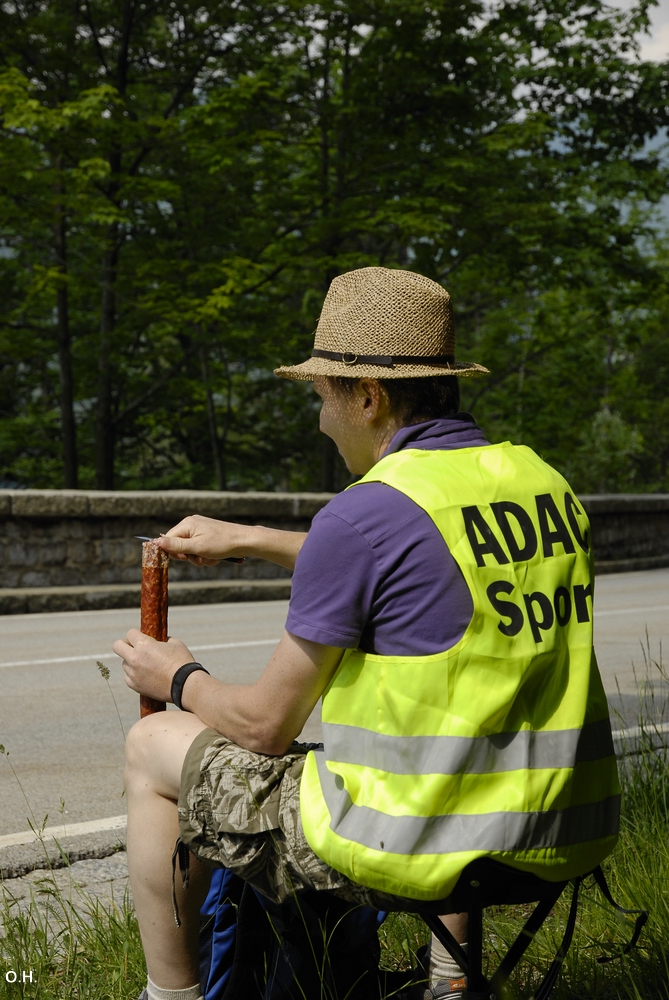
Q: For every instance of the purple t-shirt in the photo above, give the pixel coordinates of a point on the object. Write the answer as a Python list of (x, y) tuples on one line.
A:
[(374, 572)]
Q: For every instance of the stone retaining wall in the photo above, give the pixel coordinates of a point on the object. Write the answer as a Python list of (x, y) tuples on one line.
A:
[(629, 531), (61, 538), (70, 549)]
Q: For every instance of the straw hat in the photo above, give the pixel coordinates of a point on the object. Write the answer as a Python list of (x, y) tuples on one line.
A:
[(384, 323)]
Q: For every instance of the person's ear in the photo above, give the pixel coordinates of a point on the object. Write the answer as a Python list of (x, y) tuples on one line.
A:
[(375, 400)]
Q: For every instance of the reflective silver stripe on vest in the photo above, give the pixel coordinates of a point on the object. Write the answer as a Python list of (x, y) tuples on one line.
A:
[(524, 750), (496, 831)]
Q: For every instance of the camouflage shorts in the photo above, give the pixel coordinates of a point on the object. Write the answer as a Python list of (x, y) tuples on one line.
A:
[(241, 810)]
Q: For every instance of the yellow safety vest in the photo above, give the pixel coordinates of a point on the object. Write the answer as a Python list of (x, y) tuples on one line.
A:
[(501, 746)]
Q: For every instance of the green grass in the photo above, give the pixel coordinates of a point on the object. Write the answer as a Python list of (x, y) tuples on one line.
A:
[(79, 950), (88, 950)]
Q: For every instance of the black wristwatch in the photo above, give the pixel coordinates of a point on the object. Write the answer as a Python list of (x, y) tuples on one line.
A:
[(179, 679)]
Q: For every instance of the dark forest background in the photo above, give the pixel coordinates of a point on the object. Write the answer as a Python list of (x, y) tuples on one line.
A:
[(180, 181)]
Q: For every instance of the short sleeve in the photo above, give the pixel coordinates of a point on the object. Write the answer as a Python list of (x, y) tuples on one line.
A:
[(333, 584)]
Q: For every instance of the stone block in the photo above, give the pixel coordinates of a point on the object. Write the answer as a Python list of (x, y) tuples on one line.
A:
[(307, 505), (130, 503), (120, 575), (128, 552), (79, 552), (186, 571), (13, 602), (73, 529), (49, 503), (35, 578), (127, 527), (178, 504), (117, 552), (631, 565), (6, 502), (241, 506), (103, 597), (46, 554), (16, 554), (625, 503), (258, 569), (73, 576), (56, 599), (257, 506), (225, 591)]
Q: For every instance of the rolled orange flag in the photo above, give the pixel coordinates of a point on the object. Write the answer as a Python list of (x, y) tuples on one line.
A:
[(153, 621)]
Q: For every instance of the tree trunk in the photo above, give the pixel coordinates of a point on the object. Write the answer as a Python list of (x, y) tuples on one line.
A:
[(67, 422), (104, 437), (105, 429), (219, 464)]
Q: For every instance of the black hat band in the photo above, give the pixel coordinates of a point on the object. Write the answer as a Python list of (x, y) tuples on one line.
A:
[(385, 360)]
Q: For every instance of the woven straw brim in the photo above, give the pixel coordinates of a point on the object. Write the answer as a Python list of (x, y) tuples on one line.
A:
[(307, 371)]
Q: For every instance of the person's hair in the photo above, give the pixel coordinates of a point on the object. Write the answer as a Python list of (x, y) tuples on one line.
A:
[(416, 399)]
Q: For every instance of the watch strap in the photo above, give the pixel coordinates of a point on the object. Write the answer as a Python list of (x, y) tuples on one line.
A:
[(180, 678)]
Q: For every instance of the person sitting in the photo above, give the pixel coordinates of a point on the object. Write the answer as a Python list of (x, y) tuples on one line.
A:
[(441, 608)]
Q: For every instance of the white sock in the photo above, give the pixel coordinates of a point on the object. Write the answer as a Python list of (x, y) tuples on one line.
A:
[(443, 965), (156, 993)]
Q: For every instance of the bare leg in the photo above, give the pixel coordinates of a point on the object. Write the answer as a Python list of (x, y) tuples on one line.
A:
[(457, 924), (442, 966), (155, 752)]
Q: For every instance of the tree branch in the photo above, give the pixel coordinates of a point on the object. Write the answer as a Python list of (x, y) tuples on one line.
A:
[(96, 40), (153, 388)]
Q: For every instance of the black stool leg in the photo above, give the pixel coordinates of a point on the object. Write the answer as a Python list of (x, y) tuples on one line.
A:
[(476, 981)]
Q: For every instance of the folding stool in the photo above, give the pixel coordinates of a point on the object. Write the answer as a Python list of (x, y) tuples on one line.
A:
[(486, 882)]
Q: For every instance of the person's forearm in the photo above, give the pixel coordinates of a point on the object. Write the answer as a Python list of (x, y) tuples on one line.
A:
[(265, 716), (204, 541), (236, 711), (280, 547), (268, 715)]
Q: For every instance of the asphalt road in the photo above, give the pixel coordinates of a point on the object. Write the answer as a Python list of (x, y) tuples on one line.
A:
[(59, 723)]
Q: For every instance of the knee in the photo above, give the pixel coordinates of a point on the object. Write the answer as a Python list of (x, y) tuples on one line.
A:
[(137, 745), (155, 750)]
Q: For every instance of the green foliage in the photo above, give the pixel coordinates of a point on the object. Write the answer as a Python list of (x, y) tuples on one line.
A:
[(179, 187)]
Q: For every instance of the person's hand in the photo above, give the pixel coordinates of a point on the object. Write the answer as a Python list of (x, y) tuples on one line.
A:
[(203, 541), (150, 665)]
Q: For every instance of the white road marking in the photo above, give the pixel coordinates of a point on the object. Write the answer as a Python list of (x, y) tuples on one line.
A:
[(637, 731), (258, 642), (98, 656), (235, 645), (74, 829)]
